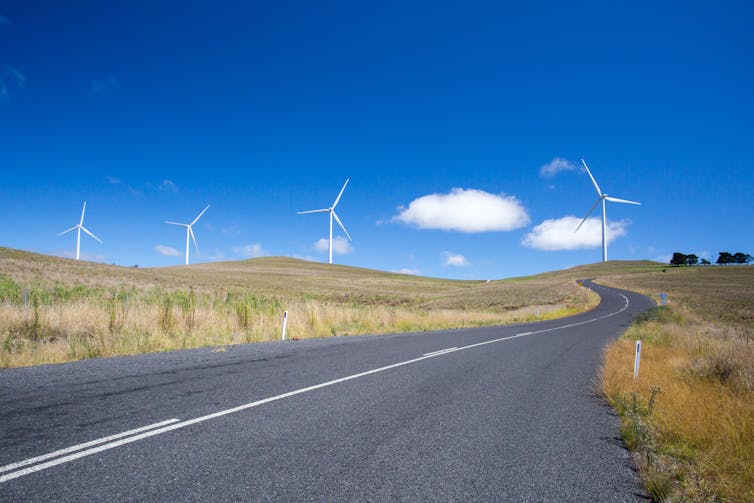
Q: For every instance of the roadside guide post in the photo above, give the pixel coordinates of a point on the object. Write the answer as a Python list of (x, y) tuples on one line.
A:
[(637, 360), (663, 299), (285, 322)]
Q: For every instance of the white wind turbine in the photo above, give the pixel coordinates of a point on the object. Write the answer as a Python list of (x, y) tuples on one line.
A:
[(331, 210), (601, 198), (78, 228), (190, 232)]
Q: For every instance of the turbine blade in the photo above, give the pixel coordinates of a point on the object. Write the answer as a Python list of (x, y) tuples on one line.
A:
[(599, 192), (87, 231), (69, 230), (616, 200), (587, 215), (191, 231), (200, 215), (81, 222), (313, 211), (340, 194), (176, 223), (341, 225)]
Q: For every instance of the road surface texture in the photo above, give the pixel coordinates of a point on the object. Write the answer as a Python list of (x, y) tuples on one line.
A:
[(505, 414)]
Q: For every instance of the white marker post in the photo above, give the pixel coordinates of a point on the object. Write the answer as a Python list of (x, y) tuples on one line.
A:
[(285, 322), (637, 360)]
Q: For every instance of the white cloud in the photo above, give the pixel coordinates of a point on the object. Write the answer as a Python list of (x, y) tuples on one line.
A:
[(11, 79), (89, 257), (406, 270), (455, 260), (249, 251), (168, 251), (340, 246), (559, 234), (231, 230), (112, 180), (665, 259), (168, 186), (555, 166), (100, 86), (465, 210)]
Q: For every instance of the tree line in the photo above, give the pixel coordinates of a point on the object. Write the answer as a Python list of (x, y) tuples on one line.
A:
[(725, 258)]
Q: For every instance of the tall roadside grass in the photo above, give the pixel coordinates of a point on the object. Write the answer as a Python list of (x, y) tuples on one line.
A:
[(689, 417), (63, 322)]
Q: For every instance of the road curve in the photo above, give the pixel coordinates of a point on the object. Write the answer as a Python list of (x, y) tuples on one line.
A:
[(489, 414)]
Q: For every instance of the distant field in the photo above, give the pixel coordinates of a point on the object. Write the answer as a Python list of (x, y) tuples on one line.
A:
[(54, 309)]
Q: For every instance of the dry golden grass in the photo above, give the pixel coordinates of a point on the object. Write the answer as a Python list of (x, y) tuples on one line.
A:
[(696, 441), (74, 310)]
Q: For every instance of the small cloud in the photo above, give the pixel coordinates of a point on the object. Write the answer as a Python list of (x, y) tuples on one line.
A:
[(11, 80), (218, 255), (665, 259), (555, 166), (455, 260), (249, 251), (112, 180), (560, 234), (89, 257), (340, 246), (168, 186), (168, 251), (406, 270), (231, 230), (101, 86), (465, 210)]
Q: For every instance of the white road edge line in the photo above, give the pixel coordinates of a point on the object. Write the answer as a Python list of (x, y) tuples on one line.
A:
[(442, 351), (183, 424)]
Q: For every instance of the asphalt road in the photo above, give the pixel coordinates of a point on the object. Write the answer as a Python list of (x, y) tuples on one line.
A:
[(511, 414)]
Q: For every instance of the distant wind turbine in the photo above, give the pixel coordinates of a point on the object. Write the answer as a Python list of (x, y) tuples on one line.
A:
[(331, 210), (78, 228), (190, 232), (601, 198)]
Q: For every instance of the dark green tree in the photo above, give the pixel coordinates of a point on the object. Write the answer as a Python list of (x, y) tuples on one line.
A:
[(739, 258), (678, 259), (692, 259), (705, 262), (724, 258)]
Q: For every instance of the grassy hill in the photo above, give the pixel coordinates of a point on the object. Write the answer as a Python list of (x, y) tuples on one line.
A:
[(55, 309)]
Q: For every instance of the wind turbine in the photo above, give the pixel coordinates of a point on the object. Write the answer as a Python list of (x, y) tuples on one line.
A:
[(190, 232), (601, 198), (331, 210), (78, 228)]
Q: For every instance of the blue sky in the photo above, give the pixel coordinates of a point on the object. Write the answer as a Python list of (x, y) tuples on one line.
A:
[(459, 124)]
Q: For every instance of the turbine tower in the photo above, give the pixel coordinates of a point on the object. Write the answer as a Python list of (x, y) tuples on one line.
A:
[(78, 228), (331, 210), (601, 198), (190, 232)]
